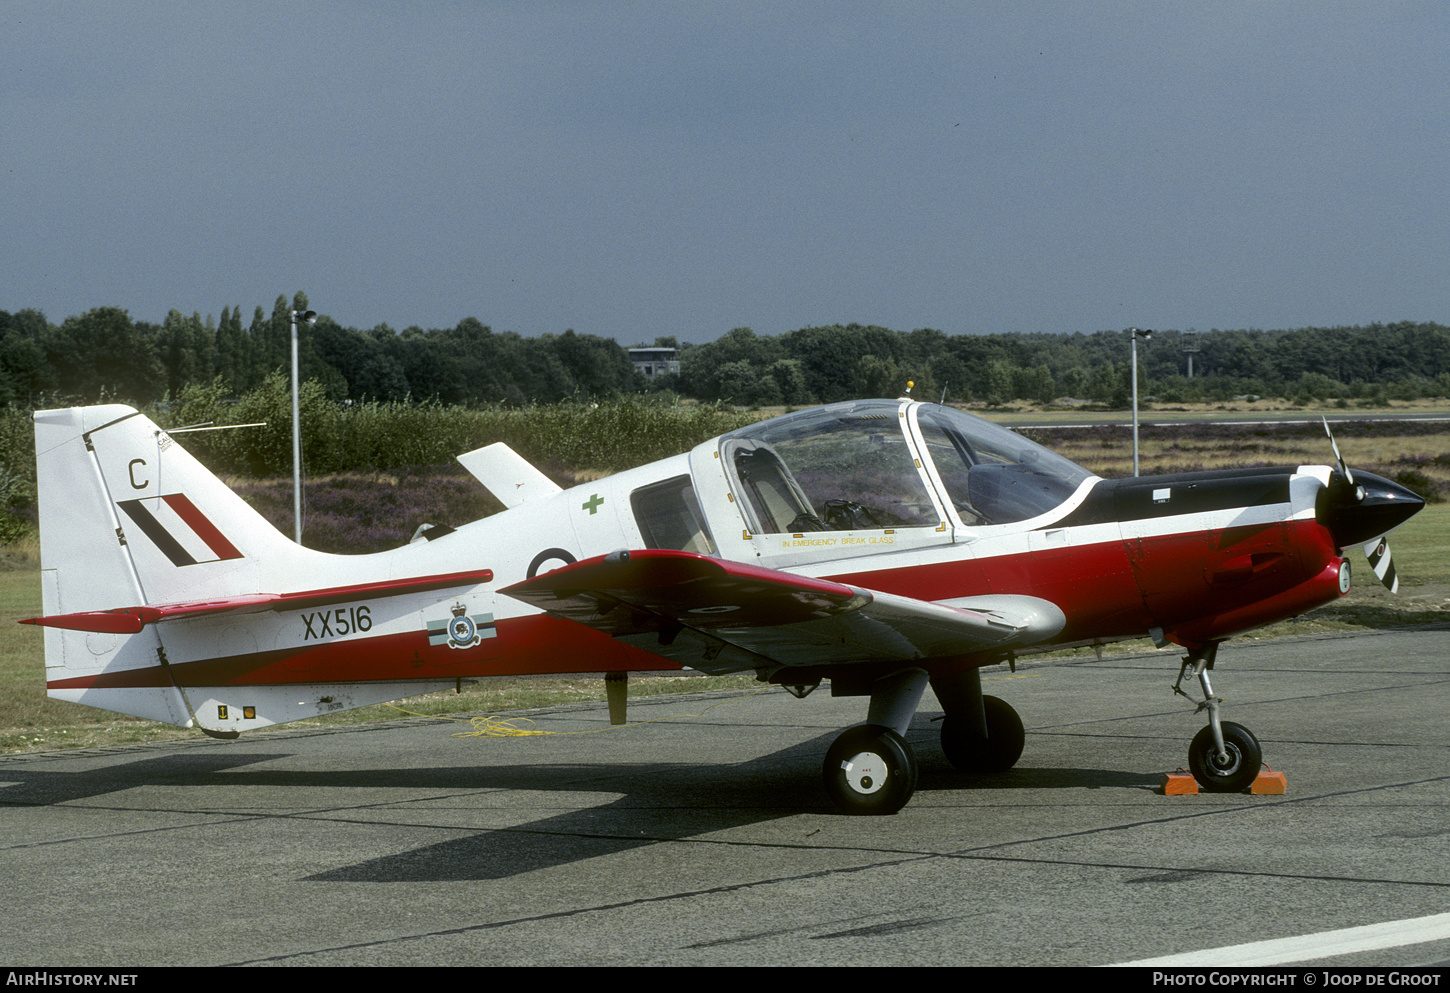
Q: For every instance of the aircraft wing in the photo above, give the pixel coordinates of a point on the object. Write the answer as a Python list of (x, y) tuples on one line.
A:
[(719, 616), (129, 620)]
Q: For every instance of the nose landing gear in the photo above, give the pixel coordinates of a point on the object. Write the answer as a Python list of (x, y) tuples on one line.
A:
[(1224, 757)]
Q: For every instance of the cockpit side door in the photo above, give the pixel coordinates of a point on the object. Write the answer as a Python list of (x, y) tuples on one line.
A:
[(837, 482)]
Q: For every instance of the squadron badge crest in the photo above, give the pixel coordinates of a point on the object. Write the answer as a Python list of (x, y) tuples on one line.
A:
[(461, 629)]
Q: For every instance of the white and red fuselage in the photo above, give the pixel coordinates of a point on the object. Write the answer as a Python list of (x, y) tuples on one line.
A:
[(166, 596)]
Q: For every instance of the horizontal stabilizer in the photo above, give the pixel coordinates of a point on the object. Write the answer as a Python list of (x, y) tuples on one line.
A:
[(129, 620), (508, 475)]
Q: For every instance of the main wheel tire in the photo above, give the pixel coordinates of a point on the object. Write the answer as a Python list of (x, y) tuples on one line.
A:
[(870, 769), (1234, 775), (997, 752)]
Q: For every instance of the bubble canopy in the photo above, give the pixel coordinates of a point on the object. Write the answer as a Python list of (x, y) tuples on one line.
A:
[(873, 464)]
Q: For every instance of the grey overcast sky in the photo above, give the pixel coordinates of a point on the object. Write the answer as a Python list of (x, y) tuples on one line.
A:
[(634, 169)]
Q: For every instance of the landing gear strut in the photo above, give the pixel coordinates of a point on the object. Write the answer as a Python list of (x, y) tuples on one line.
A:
[(979, 734), (1224, 757)]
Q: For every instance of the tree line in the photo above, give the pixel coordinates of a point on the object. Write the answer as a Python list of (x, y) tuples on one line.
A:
[(821, 364), (105, 354)]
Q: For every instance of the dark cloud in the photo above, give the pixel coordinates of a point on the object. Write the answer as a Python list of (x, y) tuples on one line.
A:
[(642, 169)]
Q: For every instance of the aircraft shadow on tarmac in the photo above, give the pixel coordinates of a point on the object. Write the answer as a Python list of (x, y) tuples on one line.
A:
[(652, 812), (656, 801)]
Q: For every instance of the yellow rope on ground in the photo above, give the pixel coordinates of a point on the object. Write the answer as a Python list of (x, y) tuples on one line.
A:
[(500, 727)]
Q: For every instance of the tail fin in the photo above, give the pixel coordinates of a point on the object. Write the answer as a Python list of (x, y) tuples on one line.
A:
[(127, 517), (136, 536)]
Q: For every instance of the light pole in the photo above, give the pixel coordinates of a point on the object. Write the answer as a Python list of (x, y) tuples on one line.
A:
[(1190, 350), (1133, 335), (310, 316)]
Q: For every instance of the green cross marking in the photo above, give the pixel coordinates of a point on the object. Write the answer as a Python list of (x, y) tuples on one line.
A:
[(592, 504)]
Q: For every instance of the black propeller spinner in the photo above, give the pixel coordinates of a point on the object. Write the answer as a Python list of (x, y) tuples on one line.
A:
[(1360, 508)]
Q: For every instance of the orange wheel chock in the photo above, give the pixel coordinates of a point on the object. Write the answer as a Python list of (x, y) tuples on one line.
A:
[(1269, 783), (1180, 783)]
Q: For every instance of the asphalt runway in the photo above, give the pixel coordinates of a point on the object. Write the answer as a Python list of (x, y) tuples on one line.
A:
[(708, 840)]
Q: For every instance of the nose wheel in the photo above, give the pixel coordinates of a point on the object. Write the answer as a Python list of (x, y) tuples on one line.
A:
[(1230, 770), (1225, 757)]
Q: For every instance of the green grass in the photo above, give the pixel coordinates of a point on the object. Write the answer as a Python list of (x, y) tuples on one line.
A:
[(1422, 549)]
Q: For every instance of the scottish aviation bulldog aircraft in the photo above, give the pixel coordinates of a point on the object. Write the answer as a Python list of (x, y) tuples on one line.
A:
[(880, 545)]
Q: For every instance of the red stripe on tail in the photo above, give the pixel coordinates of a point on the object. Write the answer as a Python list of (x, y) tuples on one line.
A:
[(204, 529)]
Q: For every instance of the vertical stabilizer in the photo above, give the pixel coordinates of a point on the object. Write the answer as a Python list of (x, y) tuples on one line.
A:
[(166, 596), (128, 518)]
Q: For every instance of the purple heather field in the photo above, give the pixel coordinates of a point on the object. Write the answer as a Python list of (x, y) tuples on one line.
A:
[(370, 512)]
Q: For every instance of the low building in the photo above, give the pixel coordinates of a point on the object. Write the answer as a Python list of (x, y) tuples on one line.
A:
[(652, 362)]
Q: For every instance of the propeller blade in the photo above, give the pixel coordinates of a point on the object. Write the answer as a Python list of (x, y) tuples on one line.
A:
[(1343, 469), (1378, 553)]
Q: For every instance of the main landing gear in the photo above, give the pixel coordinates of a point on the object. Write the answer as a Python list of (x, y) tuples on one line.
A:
[(870, 769), (1224, 757)]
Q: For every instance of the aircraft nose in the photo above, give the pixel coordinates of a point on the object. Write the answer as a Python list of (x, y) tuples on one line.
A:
[(1367, 508)]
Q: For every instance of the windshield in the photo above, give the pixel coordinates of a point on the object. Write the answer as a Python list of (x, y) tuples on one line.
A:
[(993, 475)]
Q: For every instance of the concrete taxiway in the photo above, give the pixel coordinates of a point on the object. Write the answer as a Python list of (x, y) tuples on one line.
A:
[(708, 840)]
